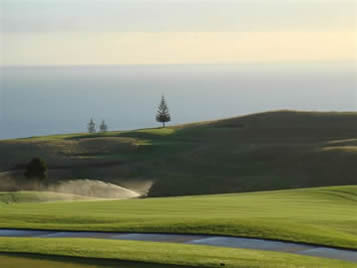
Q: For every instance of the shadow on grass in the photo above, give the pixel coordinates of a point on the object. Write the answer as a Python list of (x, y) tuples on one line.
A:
[(49, 261)]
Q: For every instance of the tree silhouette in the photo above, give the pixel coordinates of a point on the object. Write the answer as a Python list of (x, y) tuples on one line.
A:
[(103, 127), (92, 127), (163, 115), (37, 168)]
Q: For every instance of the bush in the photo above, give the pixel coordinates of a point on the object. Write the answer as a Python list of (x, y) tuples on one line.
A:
[(37, 168)]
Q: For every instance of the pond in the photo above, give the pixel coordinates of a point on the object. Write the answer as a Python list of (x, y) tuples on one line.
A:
[(208, 240)]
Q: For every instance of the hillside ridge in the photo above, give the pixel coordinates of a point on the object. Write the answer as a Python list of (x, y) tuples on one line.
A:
[(263, 151)]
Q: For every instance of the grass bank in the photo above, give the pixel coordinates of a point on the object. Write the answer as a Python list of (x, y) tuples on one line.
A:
[(164, 253), (326, 215)]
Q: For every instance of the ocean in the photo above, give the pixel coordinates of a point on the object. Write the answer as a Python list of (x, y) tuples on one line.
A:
[(62, 99)]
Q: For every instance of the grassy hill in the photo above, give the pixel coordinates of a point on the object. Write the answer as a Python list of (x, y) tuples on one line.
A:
[(274, 150), (326, 215)]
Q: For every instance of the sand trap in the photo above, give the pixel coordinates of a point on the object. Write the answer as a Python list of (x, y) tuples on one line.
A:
[(95, 189), (87, 188)]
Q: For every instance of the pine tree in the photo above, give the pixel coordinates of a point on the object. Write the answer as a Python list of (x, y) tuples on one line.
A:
[(92, 127), (103, 127), (163, 115)]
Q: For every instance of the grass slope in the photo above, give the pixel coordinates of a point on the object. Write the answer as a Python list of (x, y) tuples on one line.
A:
[(164, 253), (326, 215), (15, 260), (266, 151)]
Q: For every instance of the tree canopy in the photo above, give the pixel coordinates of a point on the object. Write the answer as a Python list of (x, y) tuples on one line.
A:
[(103, 127), (36, 168), (163, 115), (92, 126)]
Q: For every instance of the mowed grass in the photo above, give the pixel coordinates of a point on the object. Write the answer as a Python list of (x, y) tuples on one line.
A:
[(160, 253), (16, 260), (326, 215)]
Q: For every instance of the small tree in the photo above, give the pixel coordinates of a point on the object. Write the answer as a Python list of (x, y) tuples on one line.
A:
[(37, 168), (92, 127), (103, 127), (163, 115)]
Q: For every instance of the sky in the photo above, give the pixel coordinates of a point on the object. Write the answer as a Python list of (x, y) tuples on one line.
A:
[(84, 32)]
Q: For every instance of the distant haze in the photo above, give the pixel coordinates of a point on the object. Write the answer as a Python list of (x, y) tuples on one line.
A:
[(211, 58), (49, 100), (84, 32)]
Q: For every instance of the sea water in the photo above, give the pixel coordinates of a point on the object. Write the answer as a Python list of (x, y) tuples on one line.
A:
[(42, 100)]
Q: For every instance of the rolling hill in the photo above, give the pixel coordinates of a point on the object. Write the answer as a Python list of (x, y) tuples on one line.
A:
[(266, 151)]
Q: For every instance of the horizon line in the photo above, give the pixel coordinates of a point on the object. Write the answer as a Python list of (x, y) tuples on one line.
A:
[(353, 62)]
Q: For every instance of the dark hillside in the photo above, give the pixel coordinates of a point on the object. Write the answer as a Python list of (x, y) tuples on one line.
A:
[(273, 150)]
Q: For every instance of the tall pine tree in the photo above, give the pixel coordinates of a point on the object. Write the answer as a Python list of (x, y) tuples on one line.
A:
[(92, 127), (103, 127), (163, 115)]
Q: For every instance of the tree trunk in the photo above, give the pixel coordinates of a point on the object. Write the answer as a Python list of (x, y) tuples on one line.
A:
[(163, 124)]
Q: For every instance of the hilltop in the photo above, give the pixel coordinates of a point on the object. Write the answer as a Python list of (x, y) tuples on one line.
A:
[(273, 150)]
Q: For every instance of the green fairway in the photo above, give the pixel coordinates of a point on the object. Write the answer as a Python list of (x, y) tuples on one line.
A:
[(164, 253), (325, 215), (275, 150)]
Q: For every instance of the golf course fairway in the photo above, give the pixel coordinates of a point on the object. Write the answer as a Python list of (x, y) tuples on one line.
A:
[(324, 216)]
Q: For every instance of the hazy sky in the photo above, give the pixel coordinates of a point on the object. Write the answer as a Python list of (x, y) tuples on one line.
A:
[(50, 32)]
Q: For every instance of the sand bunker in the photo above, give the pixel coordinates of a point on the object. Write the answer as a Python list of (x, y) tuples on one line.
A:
[(79, 187), (94, 188)]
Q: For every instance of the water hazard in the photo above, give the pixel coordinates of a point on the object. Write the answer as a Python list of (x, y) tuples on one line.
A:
[(211, 240)]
